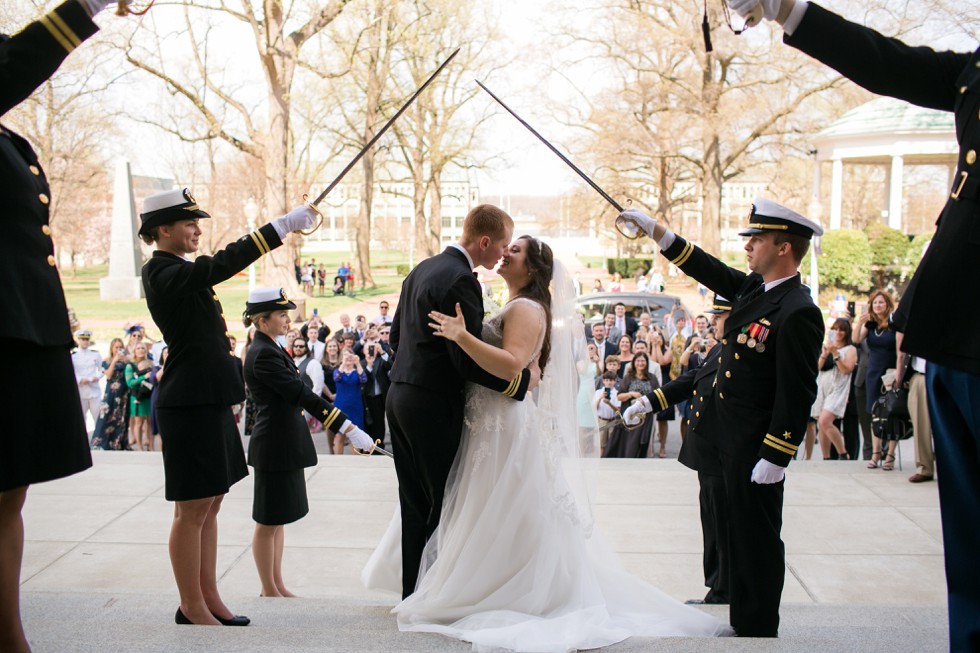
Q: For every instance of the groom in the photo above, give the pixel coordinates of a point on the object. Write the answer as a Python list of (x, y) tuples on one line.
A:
[(425, 401)]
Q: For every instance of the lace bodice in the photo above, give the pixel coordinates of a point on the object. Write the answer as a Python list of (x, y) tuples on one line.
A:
[(493, 329)]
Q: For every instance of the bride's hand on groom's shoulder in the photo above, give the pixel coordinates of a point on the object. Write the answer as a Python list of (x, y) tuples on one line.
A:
[(448, 326)]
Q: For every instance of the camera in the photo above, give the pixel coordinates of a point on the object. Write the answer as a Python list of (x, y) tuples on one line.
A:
[(608, 393)]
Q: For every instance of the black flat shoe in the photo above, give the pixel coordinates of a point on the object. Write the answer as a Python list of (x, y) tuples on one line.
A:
[(181, 620), (237, 620)]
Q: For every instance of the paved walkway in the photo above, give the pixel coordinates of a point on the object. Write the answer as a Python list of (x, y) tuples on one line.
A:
[(864, 560)]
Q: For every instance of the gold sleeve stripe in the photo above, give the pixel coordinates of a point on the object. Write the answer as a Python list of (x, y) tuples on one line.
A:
[(330, 418), (782, 442), (779, 447), (258, 243), (264, 242), (684, 255), (63, 26), (659, 394), (511, 389), (56, 33)]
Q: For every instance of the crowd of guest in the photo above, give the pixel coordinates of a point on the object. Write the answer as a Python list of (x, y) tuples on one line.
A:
[(630, 355)]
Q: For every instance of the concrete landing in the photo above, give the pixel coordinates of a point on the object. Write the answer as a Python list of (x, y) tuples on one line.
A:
[(864, 560)]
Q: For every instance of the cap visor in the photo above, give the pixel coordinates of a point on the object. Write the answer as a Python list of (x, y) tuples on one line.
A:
[(752, 231)]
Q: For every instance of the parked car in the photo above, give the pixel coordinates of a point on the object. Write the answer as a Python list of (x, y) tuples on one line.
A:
[(595, 305)]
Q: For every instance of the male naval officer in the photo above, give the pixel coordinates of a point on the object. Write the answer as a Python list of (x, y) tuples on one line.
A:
[(766, 383)]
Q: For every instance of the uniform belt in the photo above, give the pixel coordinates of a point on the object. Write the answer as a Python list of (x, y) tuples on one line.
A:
[(965, 186)]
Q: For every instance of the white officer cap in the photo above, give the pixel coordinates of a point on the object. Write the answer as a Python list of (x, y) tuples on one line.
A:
[(767, 215)]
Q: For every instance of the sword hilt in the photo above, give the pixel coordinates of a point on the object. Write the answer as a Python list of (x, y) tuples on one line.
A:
[(319, 222)]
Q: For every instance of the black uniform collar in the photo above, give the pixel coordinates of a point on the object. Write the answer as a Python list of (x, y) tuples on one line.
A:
[(761, 306), (159, 252)]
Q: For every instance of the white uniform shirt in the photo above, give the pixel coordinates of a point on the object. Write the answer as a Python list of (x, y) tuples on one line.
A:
[(88, 365)]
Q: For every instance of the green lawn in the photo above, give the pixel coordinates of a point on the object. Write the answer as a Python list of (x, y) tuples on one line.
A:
[(106, 318)]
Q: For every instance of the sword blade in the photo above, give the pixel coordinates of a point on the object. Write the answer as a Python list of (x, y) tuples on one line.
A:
[(380, 133), (384, 451), (554, 149)]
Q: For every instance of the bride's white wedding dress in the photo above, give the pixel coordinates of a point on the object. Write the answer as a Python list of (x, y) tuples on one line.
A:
[(516, 562)]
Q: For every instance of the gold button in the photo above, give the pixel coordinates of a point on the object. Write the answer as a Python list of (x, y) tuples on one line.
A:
[(962, 90), (971, 157), (719, 359), (300, 412), (702, 400), (51, 261), (721, 395), (44, 198), (34, 170), (728, 374), (695, 393), (737, 357), (724, 341), (46, 230), (977, 64), (697, 414), (689, 421)]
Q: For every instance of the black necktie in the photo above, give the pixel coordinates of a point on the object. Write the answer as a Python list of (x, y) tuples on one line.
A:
[(759, 291)]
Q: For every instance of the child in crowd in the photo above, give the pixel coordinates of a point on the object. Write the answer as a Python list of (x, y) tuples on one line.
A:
[(606, 405)]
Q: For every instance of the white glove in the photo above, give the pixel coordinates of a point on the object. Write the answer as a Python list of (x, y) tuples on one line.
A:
[(766, 473), (770, 8), (95, 6), (358, 438), (631, 416), (643, 221), (300, 218)]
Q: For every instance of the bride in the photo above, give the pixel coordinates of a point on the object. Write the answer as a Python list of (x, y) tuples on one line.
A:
[(517, 562)]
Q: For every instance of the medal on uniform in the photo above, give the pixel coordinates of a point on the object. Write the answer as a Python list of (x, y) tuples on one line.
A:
[(742, 338), (761, 347), (751, 343)]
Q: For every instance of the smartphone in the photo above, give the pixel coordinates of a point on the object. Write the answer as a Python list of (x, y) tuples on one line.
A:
[(850, 309), (314, 311), (608, 392), (832, 337)]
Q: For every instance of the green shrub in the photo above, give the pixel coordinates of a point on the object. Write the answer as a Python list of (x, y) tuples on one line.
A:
[(846, 260), (402, 269), (628, 267), (888, 246)]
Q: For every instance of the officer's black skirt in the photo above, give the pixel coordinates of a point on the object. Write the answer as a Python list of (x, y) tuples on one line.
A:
[(202, 451), (43, 434), (280, 497)]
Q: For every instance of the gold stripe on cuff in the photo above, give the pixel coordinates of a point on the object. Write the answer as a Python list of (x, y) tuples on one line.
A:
[(684, 250), (264, 242), (63, 26), (781, 442), (659, 394), (258, 245), (56, 33), (682, 259), (779, 447)]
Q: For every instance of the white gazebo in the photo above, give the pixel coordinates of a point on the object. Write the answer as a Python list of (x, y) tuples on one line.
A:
[(890, 133)]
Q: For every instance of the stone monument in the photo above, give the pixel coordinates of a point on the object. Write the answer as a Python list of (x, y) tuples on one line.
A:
[(125, 258)]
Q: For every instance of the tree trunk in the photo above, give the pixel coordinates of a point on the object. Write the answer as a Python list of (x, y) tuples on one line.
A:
[(435, 210), (711, 196)]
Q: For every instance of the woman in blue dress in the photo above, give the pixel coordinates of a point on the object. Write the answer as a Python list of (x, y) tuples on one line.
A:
[(111, 429), (349, 378), (877, 328)]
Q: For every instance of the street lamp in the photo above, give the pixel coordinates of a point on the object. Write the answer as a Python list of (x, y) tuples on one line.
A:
[(251, 213)]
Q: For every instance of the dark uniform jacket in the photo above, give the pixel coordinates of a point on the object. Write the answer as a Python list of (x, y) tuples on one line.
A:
[(180, 295), (431, 362), (762, 399), (697, 385), (947, 81), (281, 437), (33, 301)]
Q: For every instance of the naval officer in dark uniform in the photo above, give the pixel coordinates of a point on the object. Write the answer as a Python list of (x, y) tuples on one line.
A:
[(946, 81), (202, 451), (281, 447), (43, 436), (766, 384), (701, 455)]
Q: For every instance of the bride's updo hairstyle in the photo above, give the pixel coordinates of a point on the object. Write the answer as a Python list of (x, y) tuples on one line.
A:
[(540, 263)]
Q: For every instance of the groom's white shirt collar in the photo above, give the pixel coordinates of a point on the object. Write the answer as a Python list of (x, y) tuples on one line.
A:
[(465, 253)]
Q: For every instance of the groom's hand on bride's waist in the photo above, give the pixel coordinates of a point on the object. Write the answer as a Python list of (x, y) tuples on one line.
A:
[(535, 371)]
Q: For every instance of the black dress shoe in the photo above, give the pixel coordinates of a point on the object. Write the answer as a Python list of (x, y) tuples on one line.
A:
[(708, 600), (181, 620), (237, 620)]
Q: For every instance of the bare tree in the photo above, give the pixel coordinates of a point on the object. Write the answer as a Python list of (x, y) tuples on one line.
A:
[(279, 31)]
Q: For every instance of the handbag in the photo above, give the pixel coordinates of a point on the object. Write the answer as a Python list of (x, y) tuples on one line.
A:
[(896, 400)]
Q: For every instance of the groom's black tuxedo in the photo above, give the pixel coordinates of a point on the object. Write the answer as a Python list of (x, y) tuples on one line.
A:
[(425, 400)]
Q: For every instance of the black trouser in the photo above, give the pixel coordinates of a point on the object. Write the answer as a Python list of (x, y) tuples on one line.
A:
[(758, 557), (374, 405), (864, 418), (425, 432), (714, 530)]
